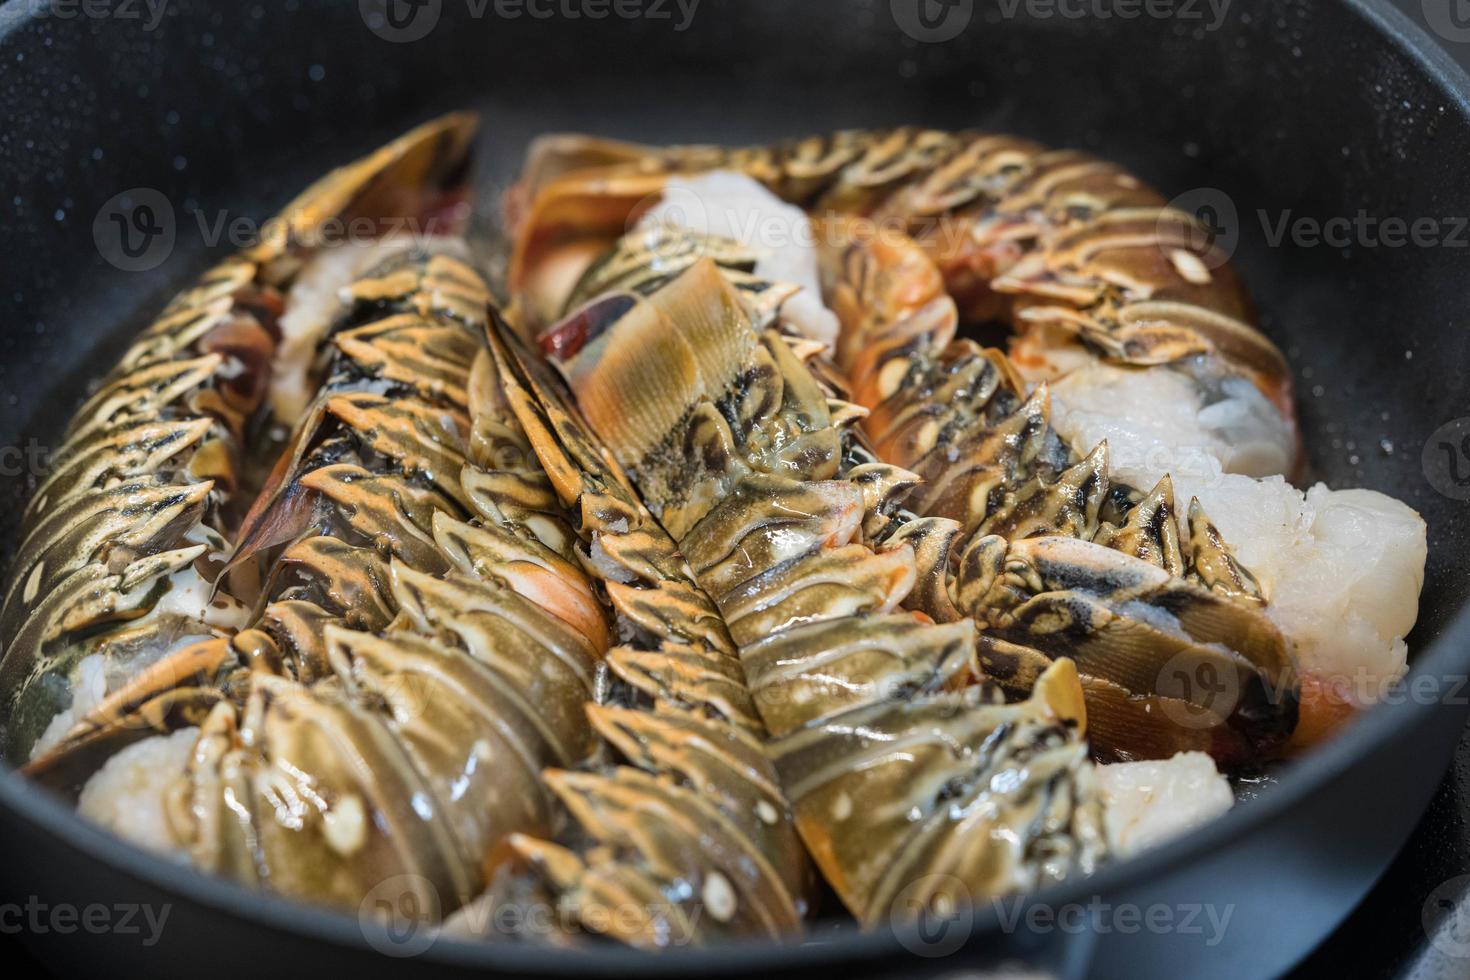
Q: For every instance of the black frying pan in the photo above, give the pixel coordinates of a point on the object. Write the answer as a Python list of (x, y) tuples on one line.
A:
[(1319, 108)]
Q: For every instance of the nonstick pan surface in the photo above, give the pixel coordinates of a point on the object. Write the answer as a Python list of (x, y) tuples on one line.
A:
[(1317, 110)]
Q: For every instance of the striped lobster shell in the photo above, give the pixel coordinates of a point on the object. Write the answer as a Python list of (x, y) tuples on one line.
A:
[(1173, 647), (123, 539), (1048, 240), (688, 838), (418, 656), (731, 442), (413, 695)]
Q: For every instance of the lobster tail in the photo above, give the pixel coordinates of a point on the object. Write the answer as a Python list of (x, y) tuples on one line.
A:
[(749, 481), (687, 836)]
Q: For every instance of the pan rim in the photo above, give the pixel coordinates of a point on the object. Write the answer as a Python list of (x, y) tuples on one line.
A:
[(1448, 655)]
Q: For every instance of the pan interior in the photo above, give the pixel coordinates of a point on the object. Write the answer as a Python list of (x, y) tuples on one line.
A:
[(224, 114)]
